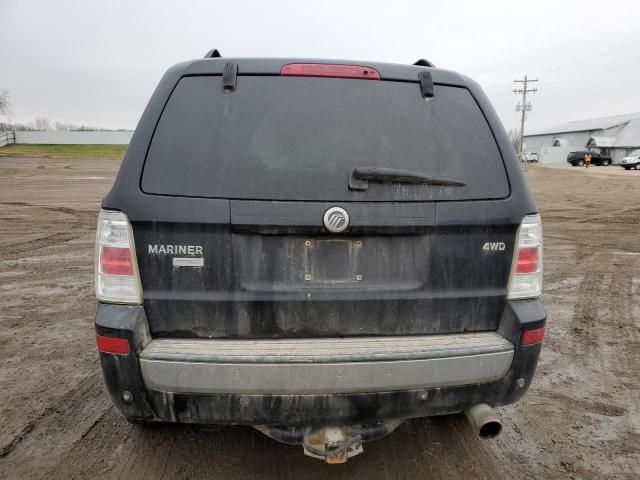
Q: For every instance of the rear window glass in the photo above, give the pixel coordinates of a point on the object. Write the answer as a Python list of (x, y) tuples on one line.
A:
[(289, 138)]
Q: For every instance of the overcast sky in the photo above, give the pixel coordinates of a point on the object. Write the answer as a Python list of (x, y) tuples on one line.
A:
[(96, 62)]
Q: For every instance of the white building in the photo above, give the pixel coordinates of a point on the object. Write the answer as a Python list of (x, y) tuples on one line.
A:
[(616, 136)]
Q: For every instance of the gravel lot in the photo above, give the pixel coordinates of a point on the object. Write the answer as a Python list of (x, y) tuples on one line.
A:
[(580, 419)]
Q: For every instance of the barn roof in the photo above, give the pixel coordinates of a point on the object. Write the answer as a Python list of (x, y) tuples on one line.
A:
[(587, 125), (629, 136), (598, 141)]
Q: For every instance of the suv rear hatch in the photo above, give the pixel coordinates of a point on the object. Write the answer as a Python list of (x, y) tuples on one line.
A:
[(262, 162)]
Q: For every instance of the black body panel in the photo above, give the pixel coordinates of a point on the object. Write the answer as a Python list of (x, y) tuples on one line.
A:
[(254, 280), (266, 294)]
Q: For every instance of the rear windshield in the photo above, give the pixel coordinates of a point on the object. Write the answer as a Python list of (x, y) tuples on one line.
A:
[(291, 138)]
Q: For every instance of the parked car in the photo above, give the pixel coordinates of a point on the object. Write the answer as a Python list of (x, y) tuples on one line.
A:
[(530, 157), (577, 158), (309, 248), (631, 161)]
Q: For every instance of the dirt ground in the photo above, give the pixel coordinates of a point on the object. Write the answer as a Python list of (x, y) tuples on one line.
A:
[(581, 418)]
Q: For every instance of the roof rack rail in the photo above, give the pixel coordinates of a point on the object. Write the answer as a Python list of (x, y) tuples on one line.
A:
[(213, 54), (424, 63)]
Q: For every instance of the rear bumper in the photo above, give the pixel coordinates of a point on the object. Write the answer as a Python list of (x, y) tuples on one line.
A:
[(319, 382), (325, 365)]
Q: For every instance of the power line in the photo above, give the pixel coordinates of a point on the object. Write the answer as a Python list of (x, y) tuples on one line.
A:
[(602, 69), (594, 57), (524, 107)]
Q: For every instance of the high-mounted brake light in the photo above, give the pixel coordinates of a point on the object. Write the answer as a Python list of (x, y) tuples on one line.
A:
[(117, 277), (526, 272), (328, 70), (112, 344)]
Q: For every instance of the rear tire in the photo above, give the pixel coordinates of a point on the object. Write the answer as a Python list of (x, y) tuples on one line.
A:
[(627, 168), (605, 163), (581, 163)]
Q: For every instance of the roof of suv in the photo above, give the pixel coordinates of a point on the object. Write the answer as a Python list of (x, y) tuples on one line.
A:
[(272, 66), (127, 190)]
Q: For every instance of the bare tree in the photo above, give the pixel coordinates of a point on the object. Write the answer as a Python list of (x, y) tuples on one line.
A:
[(71, 127), (42, 123), (514, 136), (5, 104)]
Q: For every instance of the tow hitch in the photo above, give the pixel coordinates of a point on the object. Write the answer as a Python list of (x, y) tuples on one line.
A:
[(333, 444)]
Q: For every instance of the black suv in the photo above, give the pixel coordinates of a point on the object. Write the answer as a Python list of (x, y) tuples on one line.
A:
[(577, 158), (319, 249)]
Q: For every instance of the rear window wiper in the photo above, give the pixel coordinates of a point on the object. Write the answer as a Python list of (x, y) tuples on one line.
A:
[(360, 177)]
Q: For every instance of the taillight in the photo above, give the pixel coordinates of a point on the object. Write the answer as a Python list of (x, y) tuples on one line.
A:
[(112, 344), (527, 261), (328, 70), (117, 278), (531, 337), (116, 261), (526, 272)]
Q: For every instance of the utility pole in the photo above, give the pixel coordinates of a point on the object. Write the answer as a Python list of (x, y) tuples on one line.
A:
[(524, 107)]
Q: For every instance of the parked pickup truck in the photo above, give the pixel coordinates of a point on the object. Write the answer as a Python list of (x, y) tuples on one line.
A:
[(577, 158), (308, 247)]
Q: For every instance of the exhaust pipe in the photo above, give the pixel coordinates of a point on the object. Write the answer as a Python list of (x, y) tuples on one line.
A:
[(484, 420)]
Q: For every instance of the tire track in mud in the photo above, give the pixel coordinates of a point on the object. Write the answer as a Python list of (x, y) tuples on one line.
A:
[(621, 304), (43, 439), (604, 313), (586, 244), (8, 172), (626, 216), (605, 358), (585, 315), (75, 228)]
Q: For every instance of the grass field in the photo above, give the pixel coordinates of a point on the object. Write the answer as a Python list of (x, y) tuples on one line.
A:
[(108, 152)]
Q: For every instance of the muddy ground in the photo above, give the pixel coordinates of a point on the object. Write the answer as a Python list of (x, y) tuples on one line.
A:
[(580, 419)]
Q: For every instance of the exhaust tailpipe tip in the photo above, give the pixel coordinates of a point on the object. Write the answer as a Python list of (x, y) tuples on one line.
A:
[(484, 420)]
